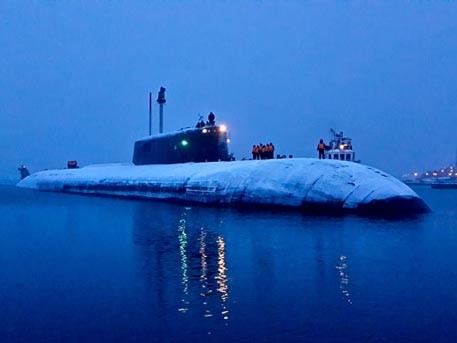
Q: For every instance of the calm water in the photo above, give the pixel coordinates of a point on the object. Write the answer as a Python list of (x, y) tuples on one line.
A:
[(80, 269)]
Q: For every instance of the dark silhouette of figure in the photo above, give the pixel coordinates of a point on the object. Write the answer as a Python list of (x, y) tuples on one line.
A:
[(262, 151), (24, 171), (211, 119), (271, 151), (254, 152), (321, 149)]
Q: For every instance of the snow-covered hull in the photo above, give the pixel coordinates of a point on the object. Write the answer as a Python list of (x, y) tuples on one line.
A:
[(303, 183)]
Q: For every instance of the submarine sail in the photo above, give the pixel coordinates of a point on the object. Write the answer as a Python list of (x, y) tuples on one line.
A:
[(202, 144)]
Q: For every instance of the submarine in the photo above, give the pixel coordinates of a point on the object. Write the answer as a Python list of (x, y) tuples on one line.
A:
[(193, 166)]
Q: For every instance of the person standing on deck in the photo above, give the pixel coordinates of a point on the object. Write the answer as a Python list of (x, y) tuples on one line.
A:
[(321, 149), (254, 152), (211, 119), (263, 151), (272, 151)]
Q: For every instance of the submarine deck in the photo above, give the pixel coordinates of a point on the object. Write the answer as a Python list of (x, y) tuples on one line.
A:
[(308, 184)]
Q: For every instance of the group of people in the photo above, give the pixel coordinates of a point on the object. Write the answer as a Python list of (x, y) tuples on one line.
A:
[(263, 151), (211, 121), (266, 151)]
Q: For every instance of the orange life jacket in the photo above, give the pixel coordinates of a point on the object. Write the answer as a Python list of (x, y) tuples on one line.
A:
[(321, 146)]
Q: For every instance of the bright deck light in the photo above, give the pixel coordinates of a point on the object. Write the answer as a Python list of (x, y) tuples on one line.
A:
[(222, 128), (204, 130), (184, 142)]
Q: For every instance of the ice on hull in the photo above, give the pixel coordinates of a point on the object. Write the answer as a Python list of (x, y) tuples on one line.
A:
[(307, 184)]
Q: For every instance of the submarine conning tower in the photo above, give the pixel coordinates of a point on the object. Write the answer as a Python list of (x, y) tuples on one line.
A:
[(208, 143)]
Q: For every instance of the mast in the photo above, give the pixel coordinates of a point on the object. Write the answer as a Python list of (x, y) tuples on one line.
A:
[(150, 113), (161, 100)]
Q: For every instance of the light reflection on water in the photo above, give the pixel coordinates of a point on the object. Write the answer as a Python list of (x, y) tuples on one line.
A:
[(344, 278), (114, 270), (182, 252), (222, 279), (206, 286)]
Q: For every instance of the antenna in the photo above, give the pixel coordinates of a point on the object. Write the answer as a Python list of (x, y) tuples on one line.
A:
[(150, 113), (161, 100)]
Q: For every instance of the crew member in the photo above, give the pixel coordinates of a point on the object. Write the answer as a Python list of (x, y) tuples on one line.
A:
[(271, 151), (263, 151), (321, 149), (254, 152), (211, 119)]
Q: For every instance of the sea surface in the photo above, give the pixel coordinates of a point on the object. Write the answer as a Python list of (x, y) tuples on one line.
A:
[(91, 269)]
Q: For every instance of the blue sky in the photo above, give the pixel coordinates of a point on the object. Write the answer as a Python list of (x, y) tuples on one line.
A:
[(75, 77)]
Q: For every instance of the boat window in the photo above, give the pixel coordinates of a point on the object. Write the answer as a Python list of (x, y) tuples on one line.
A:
[(348, 157), (335, 157), (329, 156), (342, 157)]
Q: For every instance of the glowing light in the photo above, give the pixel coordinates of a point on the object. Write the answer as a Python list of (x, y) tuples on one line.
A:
[(222, 128), (344, 279), (205, 131), (341, 147), (416, 174), (450, 174), (184, 142), (426, 174), (221, 277), (435, 174), (204, 271), (228, 140), (182, 237), (203, 256)]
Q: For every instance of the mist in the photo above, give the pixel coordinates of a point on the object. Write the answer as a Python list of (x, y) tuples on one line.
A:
[(75, 78)]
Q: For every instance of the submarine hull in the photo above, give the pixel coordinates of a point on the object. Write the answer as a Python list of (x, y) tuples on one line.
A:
[(307, 184)]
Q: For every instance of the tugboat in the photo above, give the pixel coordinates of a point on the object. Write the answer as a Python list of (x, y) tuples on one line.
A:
[(193, 165), (340, 148)]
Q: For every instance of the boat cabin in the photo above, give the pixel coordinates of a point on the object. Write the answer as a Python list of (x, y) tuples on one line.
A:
[(339, 148)]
